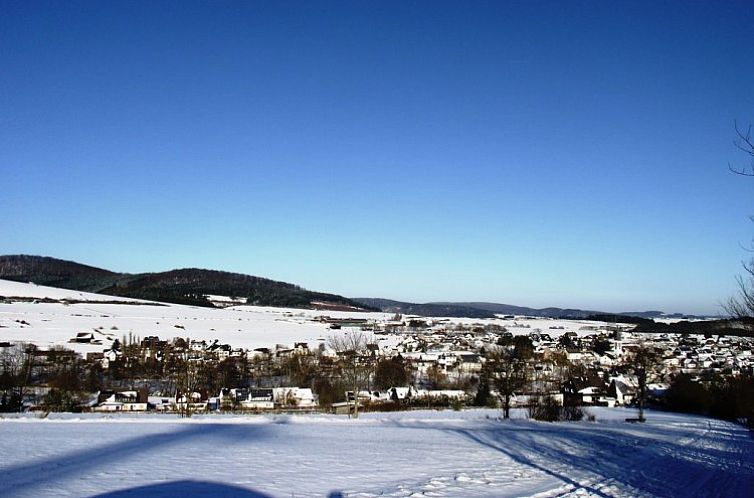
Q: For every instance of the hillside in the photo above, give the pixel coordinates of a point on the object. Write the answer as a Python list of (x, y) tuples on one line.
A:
[(190, 285), (185, 286), (428, 309), (489, 310), (57, 273), (469, 310), (508, 309)]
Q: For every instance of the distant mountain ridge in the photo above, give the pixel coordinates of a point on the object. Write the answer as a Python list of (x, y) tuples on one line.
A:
[(488, 310), (184, 286), (428, 309), (191, 285)]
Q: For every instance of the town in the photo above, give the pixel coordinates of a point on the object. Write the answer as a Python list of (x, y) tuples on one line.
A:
[(395, 363)]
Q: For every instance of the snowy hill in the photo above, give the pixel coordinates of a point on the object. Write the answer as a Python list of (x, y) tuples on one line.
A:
[(425, 453), (54, 323), (10, 290), (184, 286)]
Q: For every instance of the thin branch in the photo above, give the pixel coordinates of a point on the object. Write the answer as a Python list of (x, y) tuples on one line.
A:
[(745, 144), (742, 171), (745, 137)]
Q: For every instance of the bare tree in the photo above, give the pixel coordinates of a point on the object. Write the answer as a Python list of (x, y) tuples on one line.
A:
[(188, 376), (16, 365), (507, 370), (355, 361), (644, 363), (742, 305)]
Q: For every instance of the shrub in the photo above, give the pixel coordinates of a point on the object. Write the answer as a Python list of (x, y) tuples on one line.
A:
[(456, 404), (547, 409)]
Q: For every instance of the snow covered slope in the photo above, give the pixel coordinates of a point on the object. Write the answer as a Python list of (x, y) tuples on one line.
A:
[(54, 323), (10, 289), (47, 324), (451, 454)]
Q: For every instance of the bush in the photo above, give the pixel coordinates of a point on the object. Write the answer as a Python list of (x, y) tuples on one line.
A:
[(456, 404), (58, 400), (685, 395), (547, 409), (573, 413)]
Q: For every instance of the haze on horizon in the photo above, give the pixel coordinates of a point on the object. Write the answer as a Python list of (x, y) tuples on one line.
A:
[(530, 153)]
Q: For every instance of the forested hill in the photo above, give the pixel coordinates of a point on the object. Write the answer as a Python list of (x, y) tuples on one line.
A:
[(57, 273), (185, 286), (468, 309), (427, 309), (489, 310), (190, 285)]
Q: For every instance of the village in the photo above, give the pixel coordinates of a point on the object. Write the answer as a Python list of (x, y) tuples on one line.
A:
[(395, 363)]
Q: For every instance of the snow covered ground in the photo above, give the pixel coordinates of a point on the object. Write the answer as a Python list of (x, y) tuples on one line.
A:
[(54, 323), (47, 324), (11, 289), (425, 453)]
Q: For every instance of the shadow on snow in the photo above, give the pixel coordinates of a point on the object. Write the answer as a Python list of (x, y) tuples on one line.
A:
[(183, 489), (656, 460), (45, 471)]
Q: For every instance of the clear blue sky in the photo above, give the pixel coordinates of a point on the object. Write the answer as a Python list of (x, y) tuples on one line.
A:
[(535, 153)]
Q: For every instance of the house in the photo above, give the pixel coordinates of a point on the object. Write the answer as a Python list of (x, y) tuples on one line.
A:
[(297, 397), (392, 394), (161, 403), (574, 356), (607, 360), (153, 342), (123, 401), (84, 338), (222, 351), (112, 355), (195, 401), (342, 408), (589, 394), (469, 363), (95, 356), (260, 353), (622, 389), (198, 345), (258, 399)]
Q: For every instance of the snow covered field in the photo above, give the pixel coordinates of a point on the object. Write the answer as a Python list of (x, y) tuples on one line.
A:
[(11, 289), (424, 453), (48, 324)]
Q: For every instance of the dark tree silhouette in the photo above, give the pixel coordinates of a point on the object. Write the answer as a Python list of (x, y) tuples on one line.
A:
[(643, 363), (508, 373)]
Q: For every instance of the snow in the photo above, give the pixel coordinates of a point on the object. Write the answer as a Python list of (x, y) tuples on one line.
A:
[(423, 453), (49, 324), (419, 453), (11, 289)]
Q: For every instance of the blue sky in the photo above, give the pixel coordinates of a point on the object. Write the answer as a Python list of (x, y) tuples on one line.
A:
[(534, 153)]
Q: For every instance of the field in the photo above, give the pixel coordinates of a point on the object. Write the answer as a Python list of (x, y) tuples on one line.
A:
[(426, 453), (49, 324)]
